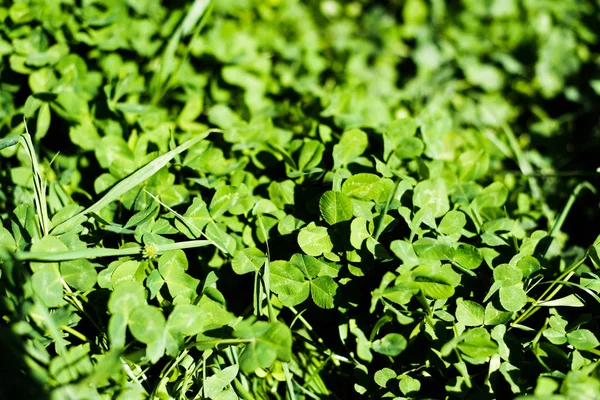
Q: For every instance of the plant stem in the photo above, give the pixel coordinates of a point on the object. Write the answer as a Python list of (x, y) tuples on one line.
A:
[(550, 292)]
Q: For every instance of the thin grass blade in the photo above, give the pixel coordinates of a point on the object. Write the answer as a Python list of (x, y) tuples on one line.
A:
[(39, 184), (10, 141), (168, 65), (184, 221), (129, 183), (107, 252)]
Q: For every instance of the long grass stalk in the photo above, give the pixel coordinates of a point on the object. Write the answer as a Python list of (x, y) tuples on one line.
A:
[(107, 252), (129, 183)]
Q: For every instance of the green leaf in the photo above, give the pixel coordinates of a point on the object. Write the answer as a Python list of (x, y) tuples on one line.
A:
[(469, 313), (528, 265), (473, 165), (507, 275), (42, 81), (485, 76), (512, 298), (216, 314), (467, 256), (113, 153), (494, 316), (436, 130), (363, 346), (142, 216), (288, 225), (323, 290), (314, 240), (409, 385), (352, 144), (192, 109), (196, 217), (228, 394), (383, 376), (431, 194), (128, 271), (282, 193), (215, 384), (225, 198), (46, 283), (147, 324), (555, 336), (6, 239), (362, 209), (85, 134), (154, 282), (335, 207), (310, 155), (76, 358), (391, 344), (173, 260), (399, 294), (498, 334), (187, 319), (402, 128), (409, 147), (268, 342), (173, 195), (431, 249), (405, 251), (288, 283), (452, 223), (190, 319), (582, 339), (363, 187), (126, 297), (217, 234), (358, 232), (309, 265), (248, 260), (477, 343), (48, 244), (117, 330), (433, 284), (172, 266), (43, 121), (494, 195), (79, 274)]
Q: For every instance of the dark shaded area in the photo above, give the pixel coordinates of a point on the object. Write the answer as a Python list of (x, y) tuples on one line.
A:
[(16, 376), (17, 367)]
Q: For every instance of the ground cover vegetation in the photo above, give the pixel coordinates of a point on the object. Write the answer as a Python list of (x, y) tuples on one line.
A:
[(282, 199)]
